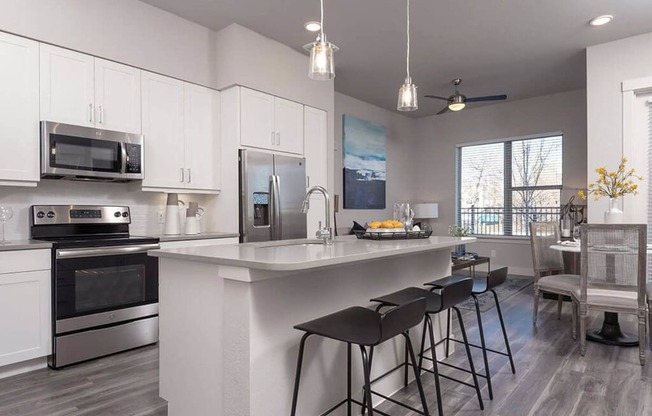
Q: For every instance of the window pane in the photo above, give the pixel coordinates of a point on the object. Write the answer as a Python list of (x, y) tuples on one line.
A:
[(481, 181), (537, 162), (533, 205)]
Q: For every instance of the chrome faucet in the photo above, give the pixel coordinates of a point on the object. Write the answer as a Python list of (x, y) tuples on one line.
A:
[(326, 234)]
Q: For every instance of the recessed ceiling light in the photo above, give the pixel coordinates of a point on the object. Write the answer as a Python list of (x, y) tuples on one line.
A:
[(312, 26), (601, 20)]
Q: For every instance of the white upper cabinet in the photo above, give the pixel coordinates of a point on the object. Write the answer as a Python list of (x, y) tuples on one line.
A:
[(67, 86), (181, 133), (202, 150), (86, 91), (19, 107), (288, 126), (163, 131), (117, 96), (269, 122)]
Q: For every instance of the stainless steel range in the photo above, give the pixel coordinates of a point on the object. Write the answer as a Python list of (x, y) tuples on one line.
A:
[(104, 286)]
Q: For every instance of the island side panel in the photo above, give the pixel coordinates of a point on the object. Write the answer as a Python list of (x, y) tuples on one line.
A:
[(280, 303), (190, 341)]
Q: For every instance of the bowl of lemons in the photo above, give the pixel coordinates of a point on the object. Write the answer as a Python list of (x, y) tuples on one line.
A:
[(387, 226)]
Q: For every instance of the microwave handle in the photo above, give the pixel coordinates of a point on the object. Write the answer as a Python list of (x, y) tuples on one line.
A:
[(123, 158)]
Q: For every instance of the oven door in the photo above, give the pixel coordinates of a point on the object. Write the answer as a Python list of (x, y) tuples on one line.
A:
[(104, 281)]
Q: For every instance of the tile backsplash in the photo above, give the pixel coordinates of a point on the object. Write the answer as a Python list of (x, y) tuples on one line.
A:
[(144, 205)]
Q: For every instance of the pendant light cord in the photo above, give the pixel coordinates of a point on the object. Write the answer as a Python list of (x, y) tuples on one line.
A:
[(407, 63), (321, 20)]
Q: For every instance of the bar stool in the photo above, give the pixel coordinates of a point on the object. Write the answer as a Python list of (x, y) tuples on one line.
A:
[(365, 328), (494, 278), (450, 295)]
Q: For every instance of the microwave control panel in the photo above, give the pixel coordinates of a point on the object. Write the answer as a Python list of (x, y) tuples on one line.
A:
[(134, 163)]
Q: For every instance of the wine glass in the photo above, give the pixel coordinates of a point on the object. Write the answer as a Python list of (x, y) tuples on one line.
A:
[(5, 215), (576, 233)]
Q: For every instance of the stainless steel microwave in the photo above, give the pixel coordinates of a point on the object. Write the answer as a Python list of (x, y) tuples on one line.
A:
[(83, 153)]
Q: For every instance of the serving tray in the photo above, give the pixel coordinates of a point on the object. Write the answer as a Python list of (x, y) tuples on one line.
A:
[(374, 234)]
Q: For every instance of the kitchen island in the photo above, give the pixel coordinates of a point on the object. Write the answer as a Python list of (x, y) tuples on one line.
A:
[(227, 343)]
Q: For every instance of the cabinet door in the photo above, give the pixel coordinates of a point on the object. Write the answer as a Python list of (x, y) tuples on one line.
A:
[(117, 97), (67, 86), (24, 316), (257, 119), (201, 108), (315, 146), (19, 95), (163, 131), (316, 153), (288, 125)]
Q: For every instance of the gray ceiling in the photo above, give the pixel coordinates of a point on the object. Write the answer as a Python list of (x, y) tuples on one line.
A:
[(522, 48)]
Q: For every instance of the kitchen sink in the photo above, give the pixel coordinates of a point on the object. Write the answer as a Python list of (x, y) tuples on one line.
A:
[(297, 244)]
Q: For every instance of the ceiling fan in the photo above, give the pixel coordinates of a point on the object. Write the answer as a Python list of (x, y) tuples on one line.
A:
[(457, 101)]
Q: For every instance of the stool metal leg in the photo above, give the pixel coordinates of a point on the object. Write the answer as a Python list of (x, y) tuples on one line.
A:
[(348, 378), (367, 379), (468, 354), (364, 395), (434, 364), (448, 331), (484, 347), (417, 375), (297, 379), (423, 340), (502, 326)]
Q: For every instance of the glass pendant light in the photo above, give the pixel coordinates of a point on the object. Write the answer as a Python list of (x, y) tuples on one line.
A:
[(321, 50), (407, 95)]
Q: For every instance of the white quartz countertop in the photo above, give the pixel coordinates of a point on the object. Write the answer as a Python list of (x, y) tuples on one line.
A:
[(11, 245), (202, 236), (290, 255)]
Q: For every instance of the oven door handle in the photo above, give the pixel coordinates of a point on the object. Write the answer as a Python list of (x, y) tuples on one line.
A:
[(104, 251)]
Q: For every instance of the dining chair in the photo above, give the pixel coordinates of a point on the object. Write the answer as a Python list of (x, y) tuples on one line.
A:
[(549, 276), (613, 274)]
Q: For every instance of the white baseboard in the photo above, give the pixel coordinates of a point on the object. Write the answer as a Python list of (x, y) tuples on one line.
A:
[(23, 367)]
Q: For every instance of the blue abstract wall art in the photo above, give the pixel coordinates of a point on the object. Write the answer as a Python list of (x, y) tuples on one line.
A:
[(364, 164)]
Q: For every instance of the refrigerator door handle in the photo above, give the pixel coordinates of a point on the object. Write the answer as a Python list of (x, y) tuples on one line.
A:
[(279, 223), (272, 207)]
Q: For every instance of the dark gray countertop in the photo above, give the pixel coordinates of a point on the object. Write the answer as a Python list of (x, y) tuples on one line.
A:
[(202, 236), (24, 245)]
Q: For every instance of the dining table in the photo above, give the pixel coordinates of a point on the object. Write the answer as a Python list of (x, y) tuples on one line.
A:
[(610, 332)]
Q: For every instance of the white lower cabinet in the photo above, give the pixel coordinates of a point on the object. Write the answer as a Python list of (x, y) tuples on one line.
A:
[(25, 309)]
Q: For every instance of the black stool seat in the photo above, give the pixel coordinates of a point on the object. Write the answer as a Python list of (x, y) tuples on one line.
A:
[(401, 297), (356, 325)]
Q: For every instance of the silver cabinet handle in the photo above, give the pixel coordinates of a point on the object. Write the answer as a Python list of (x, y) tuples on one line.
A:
[(182, 176), (273, 137), (105, 251), (101, 115), (189, 176), (278, 139), (90, 117)]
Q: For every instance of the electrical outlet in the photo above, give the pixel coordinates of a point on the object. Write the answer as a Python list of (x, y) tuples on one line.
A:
[(160, 217), (493, 253)]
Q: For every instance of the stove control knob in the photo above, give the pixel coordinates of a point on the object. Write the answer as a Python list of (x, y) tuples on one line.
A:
[(116, 214), (50, 214), (125, 214), (40, 214)]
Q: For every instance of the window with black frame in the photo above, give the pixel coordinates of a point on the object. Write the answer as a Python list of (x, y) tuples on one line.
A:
[(502, 186)]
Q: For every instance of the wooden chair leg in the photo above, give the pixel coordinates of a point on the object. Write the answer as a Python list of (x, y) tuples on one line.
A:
[(536, 304), (560, 302), (583, 313), (649, 311), (641, 336), (574, 320)]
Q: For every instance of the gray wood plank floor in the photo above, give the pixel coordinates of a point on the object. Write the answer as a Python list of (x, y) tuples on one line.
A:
[(551, 377)]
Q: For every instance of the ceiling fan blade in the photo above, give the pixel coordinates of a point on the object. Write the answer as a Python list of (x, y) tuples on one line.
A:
[(437, 97), (486, 98), (443, 110)]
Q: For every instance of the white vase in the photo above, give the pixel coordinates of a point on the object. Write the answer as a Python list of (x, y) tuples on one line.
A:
[(613, 215)]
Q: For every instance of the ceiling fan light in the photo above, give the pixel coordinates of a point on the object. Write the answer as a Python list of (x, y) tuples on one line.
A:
[(407, 97), (456, 106), (312, 26), (322, 66)]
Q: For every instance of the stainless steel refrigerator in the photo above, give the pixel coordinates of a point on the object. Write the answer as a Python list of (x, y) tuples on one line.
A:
[(272, 188)]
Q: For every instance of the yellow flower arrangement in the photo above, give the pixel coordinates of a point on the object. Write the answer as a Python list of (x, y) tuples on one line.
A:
[(613, 184)]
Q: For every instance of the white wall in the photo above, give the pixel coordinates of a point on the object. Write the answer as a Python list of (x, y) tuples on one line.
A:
[(434, 156), (401, 172), (126, 31), (607, 66)]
